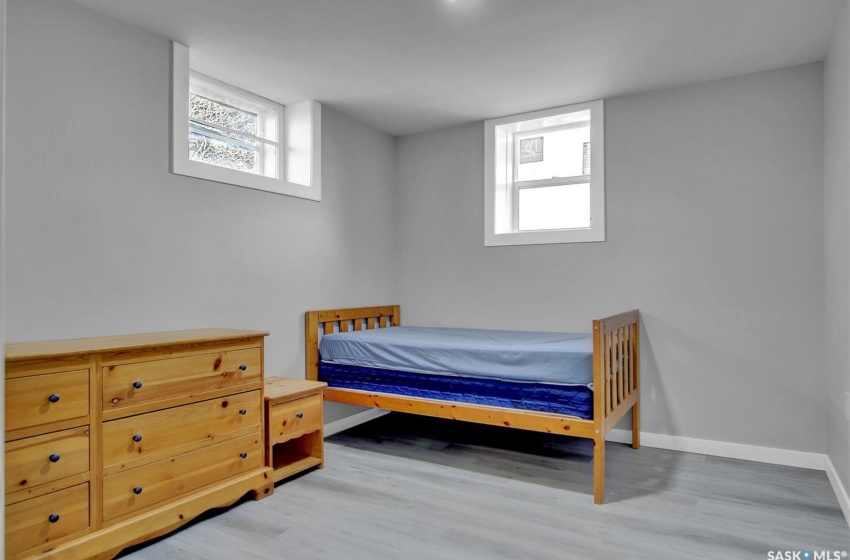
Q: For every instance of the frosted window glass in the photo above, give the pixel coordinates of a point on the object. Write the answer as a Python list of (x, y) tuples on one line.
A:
[(211, 150), (222, 115)]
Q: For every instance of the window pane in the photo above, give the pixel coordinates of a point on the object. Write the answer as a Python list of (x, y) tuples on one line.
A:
[(560, 207), (223, 115), (224, 154), (558, 153), (204, 130)]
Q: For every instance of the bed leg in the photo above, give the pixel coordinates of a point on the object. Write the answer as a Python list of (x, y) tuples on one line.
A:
[(599, 469), (636, 426)]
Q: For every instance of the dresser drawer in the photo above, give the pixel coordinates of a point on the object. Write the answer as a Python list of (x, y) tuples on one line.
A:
[(46, 519), (127, 385), (138, 488), (41, 459), (177, 430), (41, 399), (295, 418)]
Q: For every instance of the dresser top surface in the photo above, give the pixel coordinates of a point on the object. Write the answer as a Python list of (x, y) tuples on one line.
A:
[(26, 350)]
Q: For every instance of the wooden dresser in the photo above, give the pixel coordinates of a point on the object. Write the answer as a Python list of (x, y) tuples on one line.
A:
[(112, 441)]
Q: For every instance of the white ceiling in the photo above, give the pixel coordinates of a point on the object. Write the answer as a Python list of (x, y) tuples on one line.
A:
[(406, 66)]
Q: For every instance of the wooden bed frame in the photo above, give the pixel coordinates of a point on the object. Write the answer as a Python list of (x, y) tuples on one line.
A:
[(616, 342)]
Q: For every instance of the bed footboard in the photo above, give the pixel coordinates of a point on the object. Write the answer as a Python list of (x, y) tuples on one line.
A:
[(616, 385), (616, 368)]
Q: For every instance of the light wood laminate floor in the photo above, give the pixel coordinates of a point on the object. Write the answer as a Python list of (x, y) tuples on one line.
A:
[(416, 488)]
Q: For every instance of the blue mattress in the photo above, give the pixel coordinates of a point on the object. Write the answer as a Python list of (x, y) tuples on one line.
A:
[(570, 400), (508, 355)]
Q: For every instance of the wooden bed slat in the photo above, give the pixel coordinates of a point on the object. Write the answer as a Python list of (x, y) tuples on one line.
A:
[(621, 366), (626, 389), (628, 381), (613, 365), (609, 373), (635, 358)]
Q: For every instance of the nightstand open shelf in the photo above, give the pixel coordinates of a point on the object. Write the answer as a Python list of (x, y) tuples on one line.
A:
[(295, 435)]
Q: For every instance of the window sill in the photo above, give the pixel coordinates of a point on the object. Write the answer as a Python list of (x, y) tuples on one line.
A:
[(589, 235), (198, 170)]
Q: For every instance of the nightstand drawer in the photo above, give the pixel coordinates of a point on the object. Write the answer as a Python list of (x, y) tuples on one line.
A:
[(127, 385), (41, 459), (41, 399), (138, 440), (295, 418), (45, 519), (138, 488)]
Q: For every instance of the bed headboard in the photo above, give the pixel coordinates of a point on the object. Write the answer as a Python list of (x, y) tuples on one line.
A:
[(343, 320)]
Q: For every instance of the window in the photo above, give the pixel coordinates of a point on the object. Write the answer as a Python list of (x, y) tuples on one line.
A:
[(226, 134), (233, 128), (544, 177)]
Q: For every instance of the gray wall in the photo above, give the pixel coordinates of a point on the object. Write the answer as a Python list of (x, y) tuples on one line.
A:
[(2, 223), (715, 204), (101, 239), (714, 211), (837, 243)]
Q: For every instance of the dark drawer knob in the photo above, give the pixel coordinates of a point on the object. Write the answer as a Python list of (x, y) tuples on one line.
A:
[(53, 517), (243, 455), (137, 490), (53, 398), (137, 384), (300, 415), (54, 457), (137, 438), (243, 411), (243, 367)]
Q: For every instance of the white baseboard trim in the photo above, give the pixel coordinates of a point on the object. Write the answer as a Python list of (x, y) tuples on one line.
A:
[(348, 422), (800, 459), (838, 487), (774, 456)]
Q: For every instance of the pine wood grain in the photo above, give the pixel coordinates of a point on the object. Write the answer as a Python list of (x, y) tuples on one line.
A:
[(171, 478), (28, 523), (55, 406), (28, 461), (28, 401), (180, 429), (120, 343)]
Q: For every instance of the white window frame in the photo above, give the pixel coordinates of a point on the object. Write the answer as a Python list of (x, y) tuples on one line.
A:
[(298, 167), (501, 190)]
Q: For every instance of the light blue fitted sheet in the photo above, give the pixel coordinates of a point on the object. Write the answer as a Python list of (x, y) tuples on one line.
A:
[(515, 355)]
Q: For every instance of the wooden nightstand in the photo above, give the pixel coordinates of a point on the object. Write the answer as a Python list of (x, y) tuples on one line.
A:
[(294, 434)]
